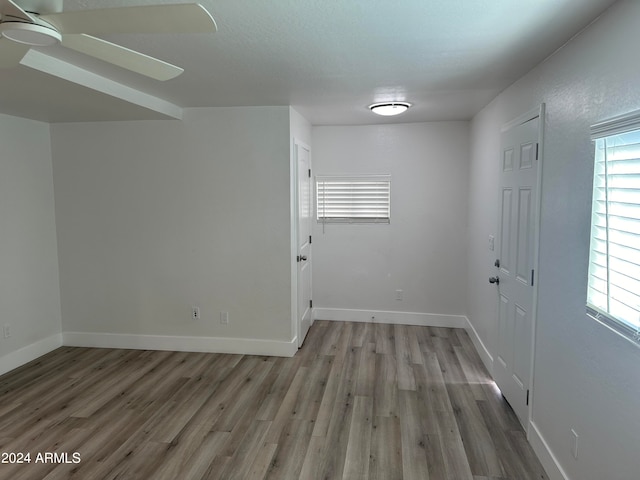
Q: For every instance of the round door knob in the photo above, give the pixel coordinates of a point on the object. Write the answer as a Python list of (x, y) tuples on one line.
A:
[(495, 280)]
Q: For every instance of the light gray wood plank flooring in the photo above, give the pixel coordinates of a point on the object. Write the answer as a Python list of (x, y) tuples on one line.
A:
[(358, 401)]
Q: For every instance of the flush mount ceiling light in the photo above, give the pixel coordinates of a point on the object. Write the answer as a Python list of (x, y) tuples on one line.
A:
[(389, 109), (30, 34)]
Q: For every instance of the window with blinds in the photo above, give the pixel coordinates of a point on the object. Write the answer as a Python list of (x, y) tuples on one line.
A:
[(348, 199), (614, 261)]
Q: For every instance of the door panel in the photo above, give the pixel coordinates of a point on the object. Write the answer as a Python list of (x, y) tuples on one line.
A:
[(523, 262), (521, 334), (507, 162), (505, 342), (527, 155), (518, 186), (505, 230)]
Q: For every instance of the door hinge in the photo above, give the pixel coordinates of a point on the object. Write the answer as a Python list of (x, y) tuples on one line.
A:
[(310, 170), (537, 149), (527, 397), (310, 303), (298, 258), (309, 238), (532, 277)]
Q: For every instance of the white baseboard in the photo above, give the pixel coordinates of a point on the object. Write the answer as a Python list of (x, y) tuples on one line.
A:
[(244, 346), (397, 318), (482, 350), (26, 354), (545, 455)]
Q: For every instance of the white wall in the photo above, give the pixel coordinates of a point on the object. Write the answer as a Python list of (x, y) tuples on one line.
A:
[(157, 216), (29, 290), (586, 377), (423, 250)]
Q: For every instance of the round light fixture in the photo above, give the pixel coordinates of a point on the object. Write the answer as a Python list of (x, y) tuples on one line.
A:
[(389, 109), (30, 34)]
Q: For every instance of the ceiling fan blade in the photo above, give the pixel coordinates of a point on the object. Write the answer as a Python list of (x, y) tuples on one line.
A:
[(11, 53), (121, 56), (9, 11), (181, 18)]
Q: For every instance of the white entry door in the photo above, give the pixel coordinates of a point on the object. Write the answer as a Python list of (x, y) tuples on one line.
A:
[(517, 241), (304, 211)]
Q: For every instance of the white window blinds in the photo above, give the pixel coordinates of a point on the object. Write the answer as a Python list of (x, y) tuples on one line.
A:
[(349, 199), (614, 261)]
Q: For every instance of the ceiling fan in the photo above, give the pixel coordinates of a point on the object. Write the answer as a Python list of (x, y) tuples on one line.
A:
[(36, 25)]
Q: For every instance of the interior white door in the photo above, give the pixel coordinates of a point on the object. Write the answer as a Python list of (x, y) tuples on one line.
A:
[(304, 211), (517, 240)]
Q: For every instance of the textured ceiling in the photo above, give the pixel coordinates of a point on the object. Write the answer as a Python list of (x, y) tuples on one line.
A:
[(327, 58)]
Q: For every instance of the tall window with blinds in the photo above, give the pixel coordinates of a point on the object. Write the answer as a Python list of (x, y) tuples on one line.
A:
[(614, 261), (353, 199)]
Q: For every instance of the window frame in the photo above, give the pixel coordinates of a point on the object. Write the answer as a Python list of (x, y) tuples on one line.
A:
[(353, 217), (600, 132)]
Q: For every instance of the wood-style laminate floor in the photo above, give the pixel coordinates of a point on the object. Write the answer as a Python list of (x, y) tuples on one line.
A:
[(358, 401)]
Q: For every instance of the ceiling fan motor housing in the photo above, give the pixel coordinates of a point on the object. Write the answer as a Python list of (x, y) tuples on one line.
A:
[(41, 7)]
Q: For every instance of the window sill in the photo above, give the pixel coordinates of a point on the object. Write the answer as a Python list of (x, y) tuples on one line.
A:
[(626, 332)]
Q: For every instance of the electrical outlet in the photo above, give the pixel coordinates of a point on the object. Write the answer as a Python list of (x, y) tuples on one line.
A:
[(224, 318), (574, 446), (399, 295), (6, 331), (491, 242), (195, 313)]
